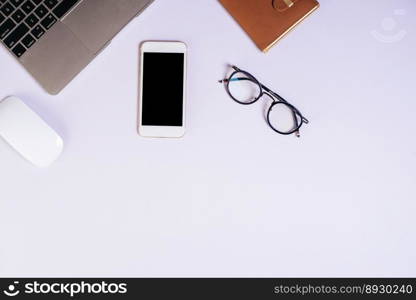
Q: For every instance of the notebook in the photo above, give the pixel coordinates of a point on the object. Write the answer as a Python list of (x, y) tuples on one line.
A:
[(267, 21)]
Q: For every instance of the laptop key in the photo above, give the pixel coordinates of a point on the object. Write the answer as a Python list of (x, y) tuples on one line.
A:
[(16, 35), (31, 20), (7, 9), (28, 6), (48, 21), (41, 11), (37, 2), (19, 50), (38, 31), (2, 18), (28, 41), (18, 16), (51, 3), (64, 7), (6, 27)]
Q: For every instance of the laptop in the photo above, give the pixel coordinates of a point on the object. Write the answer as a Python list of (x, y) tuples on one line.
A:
[(55, 39)]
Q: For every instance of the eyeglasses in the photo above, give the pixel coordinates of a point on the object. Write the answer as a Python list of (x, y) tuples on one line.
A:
[(282, 117)]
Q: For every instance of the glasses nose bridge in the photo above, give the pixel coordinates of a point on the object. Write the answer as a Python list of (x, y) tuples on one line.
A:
[(270, 98)]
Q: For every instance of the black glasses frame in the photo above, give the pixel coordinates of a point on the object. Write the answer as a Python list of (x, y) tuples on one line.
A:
[(298, 118)]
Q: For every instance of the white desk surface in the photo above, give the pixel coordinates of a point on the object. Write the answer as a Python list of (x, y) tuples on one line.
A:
[(232, 198)]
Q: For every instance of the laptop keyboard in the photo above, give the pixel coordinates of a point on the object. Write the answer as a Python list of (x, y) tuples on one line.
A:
[(24, 22)]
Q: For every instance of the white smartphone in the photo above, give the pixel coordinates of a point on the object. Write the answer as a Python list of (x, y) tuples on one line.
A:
[(162, 89)]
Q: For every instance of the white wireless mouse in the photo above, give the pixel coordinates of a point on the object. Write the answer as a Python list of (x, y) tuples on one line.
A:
[(28, 134)]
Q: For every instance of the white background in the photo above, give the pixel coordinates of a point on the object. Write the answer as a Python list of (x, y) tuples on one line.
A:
[(232, 198)]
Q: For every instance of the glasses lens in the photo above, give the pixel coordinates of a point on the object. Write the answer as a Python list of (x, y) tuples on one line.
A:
[(283, 118), (244, 88)]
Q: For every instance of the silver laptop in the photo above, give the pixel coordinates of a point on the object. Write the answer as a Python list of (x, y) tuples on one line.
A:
[(55, 39)]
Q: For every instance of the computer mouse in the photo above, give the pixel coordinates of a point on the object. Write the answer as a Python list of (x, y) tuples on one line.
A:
[(28, 133)]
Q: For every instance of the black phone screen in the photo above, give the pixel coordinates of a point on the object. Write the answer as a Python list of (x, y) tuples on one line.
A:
[(163, 82)]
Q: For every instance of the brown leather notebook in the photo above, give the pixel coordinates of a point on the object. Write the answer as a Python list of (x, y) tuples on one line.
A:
[(267, 21)]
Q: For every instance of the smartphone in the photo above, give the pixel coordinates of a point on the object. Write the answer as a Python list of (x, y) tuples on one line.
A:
[(162, 89)]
